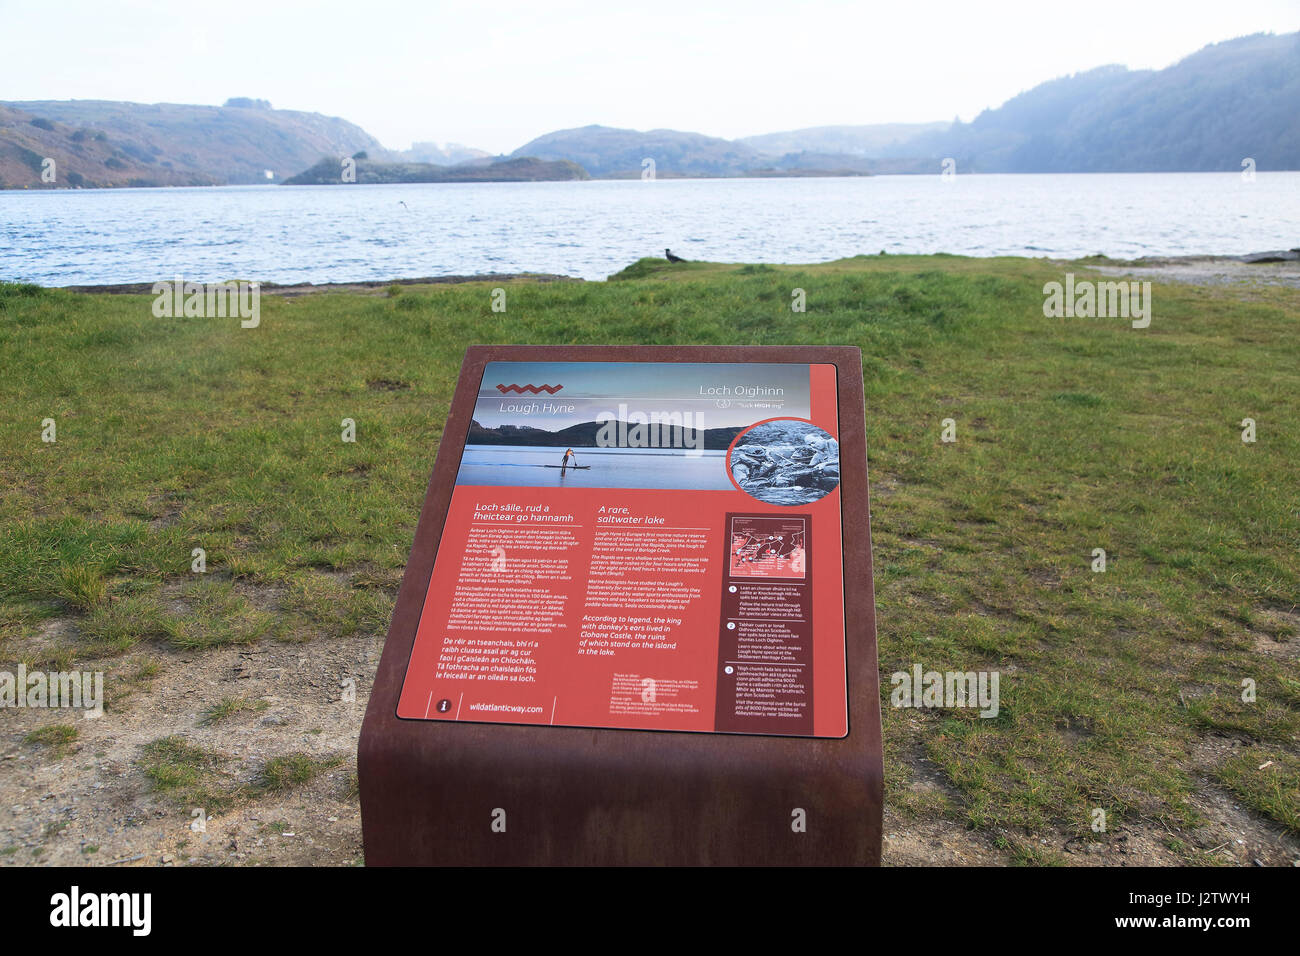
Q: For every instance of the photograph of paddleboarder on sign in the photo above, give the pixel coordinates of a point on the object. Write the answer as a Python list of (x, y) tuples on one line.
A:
[(785, 462), (656, 425)]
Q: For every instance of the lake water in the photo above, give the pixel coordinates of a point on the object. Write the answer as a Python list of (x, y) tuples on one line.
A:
[(592, 229), (519, 465)]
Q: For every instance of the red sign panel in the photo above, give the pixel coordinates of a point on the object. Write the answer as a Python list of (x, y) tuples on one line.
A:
[(651, 546)]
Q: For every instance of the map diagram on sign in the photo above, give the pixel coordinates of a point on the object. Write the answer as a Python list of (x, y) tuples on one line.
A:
[(767, 547)]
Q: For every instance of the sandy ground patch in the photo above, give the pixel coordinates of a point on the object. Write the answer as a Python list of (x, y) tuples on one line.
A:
[(94, 804), (1207, 270)]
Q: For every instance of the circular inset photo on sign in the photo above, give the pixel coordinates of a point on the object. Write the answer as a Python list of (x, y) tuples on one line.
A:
[(786, 461)]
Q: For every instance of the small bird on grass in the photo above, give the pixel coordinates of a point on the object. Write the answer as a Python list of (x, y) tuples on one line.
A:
[(668, 254)]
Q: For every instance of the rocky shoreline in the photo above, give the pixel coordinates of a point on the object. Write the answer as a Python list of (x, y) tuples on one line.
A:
[(361, 285), (1275, 267), (1280, 267)]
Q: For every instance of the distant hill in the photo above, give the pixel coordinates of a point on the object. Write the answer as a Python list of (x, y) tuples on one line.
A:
[(79, 156), (1209, 111), (448, 155), (867, 141), (328, 172), (609, 153), (584, 436), (102, 143)]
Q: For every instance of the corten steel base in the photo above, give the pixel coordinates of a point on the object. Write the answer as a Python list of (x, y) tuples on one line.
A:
[(429, 789)]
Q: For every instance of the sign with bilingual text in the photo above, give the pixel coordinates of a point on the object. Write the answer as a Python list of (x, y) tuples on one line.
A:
[(641, 545)]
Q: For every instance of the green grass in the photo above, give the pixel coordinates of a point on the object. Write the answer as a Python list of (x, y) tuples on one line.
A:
[(190, 775), (1072, 434), (229, 707), (218, 614), (59, 738), (82, 588), (195, 776), (1264, 778), (112, 627), (293, 770)]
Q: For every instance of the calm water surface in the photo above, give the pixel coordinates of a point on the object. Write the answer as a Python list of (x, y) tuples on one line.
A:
[(518, 465), (592, 229)]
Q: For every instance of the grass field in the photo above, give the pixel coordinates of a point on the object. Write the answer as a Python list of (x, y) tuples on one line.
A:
[(1120, 690)]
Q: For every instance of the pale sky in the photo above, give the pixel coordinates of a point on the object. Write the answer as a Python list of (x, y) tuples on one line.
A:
[(496, 74)]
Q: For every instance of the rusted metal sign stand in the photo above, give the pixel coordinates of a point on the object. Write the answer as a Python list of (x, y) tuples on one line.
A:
[(760, 760)]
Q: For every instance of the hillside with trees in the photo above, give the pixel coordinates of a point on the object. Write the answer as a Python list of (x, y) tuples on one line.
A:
[(102, 143), (524, 169), (1208, 112)]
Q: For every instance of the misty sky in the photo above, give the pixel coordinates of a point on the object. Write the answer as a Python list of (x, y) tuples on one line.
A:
[(494, 75)]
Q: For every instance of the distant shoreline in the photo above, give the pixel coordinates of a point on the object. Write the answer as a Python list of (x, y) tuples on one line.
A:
[(1278, 267), (305, 288), (758, 174)]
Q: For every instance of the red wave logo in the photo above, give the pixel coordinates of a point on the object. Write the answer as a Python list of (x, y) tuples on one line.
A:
[(534, 389)]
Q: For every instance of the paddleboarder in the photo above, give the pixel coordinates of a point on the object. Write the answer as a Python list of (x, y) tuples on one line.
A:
[(564, 463)]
